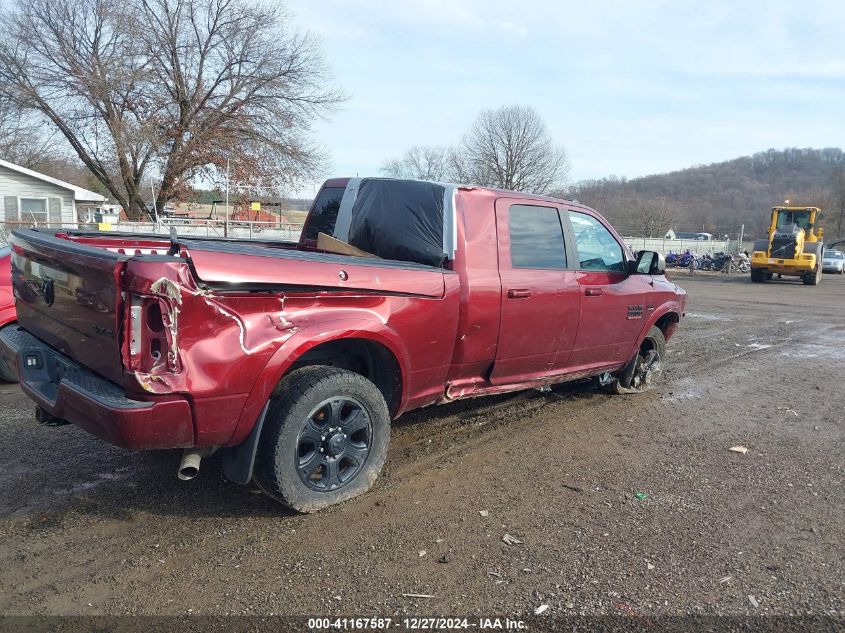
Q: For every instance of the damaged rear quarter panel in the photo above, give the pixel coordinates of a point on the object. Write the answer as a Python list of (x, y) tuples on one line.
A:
[(217, 339), (233, 346)]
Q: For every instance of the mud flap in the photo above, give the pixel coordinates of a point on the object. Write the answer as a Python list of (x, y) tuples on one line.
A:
[(238, 461)]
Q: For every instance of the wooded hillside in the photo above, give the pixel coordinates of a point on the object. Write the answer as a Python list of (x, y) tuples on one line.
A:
[(720, 197)]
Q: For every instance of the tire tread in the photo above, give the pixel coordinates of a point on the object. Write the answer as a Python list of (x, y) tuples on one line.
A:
[(294, 390)]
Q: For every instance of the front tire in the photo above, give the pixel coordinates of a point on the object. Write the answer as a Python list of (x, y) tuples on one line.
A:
[(325, 439), (814, 278), (645, 369)]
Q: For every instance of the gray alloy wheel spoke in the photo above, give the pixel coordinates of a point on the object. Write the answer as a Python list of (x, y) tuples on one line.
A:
[(336, 408), (308, 463), (355, 421), (311, 433), (330, 473), (357, 453)]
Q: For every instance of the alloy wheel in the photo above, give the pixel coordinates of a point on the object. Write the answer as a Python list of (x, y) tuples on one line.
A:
[(333, 444)]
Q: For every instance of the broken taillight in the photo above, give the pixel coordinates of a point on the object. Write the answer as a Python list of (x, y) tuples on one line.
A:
[(151, 336)]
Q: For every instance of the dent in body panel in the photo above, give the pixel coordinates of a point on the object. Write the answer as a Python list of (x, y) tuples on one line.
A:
[(201, 327), (225, 338)]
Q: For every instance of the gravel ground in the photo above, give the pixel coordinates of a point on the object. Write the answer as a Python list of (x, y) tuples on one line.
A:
[(622, 505)]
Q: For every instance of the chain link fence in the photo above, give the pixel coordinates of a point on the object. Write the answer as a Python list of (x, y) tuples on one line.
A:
[(665, 246)]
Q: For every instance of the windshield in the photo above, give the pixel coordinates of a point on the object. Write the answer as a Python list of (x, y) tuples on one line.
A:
[(833, 255), (799, 218)]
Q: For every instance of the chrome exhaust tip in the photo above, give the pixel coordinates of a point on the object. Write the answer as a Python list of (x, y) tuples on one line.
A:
[(189, 467)]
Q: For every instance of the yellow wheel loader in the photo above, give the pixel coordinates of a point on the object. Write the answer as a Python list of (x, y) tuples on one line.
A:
[(794, 246)]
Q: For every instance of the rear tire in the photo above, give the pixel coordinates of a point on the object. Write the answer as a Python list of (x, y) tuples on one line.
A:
[(645, 369), (325, 439), (757, 276), (7, 374)]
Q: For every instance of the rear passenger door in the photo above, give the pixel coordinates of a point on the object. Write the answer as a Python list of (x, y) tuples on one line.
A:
[(540, 294), (612, 309)]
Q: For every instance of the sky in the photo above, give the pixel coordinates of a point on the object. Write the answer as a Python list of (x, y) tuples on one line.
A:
[(628, 88)]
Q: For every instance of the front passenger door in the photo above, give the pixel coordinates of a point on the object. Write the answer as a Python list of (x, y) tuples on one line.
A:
[(612, 308)]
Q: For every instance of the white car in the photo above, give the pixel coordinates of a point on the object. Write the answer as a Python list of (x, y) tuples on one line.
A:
[(833, 262)]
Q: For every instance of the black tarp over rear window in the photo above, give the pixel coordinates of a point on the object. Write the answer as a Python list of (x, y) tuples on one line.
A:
[(399, 219)]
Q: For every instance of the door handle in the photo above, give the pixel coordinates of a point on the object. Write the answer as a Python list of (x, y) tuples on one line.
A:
[(593, 292), (519, 293)]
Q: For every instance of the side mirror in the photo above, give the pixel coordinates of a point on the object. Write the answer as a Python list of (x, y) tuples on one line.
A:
[(648, 263)]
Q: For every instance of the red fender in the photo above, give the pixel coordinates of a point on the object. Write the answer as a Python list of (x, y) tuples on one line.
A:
[(666, 308), (306, 339)]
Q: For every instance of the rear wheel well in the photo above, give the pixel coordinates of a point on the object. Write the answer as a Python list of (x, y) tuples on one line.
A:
[(368, 358)]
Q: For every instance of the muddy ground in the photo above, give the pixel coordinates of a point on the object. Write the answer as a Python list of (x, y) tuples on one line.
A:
[(89, 529)]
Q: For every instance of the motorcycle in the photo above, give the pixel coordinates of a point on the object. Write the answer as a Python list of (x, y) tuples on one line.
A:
[(739, 262), (684, 260), (671, 259)]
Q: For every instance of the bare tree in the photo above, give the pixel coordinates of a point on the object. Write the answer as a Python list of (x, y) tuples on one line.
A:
[(22, 141), (169, 88), (511, 148), (421, 162)]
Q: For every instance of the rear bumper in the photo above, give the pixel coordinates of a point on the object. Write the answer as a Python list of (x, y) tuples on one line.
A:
[(66, 390)]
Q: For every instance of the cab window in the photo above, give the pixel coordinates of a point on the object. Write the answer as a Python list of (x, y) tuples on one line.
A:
[(324, 212), (536, 237), (597, 248), (799, 218)]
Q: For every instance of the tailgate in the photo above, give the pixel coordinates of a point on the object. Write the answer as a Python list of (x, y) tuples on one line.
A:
[(68, 296)]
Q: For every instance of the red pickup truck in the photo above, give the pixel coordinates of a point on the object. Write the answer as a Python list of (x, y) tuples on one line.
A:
[(7, 309), (292, 359)]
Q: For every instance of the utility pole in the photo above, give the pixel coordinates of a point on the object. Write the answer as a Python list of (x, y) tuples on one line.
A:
[(226, 223), (741, 235)]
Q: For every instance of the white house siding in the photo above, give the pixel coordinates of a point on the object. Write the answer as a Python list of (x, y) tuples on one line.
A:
[(19, 185)]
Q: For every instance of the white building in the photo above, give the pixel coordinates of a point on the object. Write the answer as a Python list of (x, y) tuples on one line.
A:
[(32, 198)]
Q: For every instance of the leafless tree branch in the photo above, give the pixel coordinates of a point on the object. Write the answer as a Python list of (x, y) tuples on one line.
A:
[(509, 148), (174, 87)]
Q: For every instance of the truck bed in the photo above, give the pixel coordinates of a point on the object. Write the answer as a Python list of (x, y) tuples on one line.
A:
[(72, 286)]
